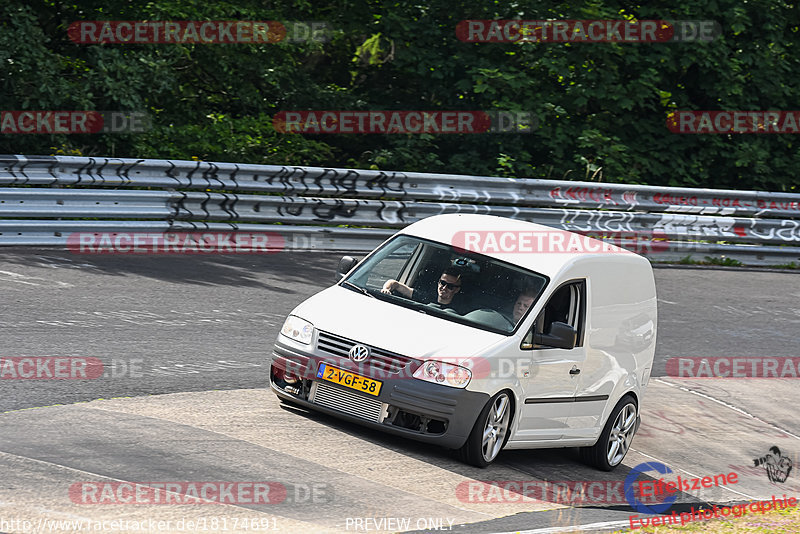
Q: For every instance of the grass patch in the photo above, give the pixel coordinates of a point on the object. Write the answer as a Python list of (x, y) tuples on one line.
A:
[(727, 262), (709, 260), (688, 260)]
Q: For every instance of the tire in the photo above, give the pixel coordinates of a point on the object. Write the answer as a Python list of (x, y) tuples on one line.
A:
[(496, 415), (616, 438)]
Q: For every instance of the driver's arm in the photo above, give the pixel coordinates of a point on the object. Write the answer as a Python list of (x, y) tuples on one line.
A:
[(398, 287)]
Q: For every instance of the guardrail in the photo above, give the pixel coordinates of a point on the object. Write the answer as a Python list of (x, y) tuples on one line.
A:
[(43, 199)]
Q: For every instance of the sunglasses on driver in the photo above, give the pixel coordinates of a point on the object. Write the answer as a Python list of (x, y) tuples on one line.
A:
[(448, 285)]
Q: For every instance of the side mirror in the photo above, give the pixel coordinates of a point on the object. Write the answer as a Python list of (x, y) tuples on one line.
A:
[(561, 336), (346, 264)]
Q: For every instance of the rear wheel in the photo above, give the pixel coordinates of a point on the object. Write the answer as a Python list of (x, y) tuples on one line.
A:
[(489, 433), (614, 442)]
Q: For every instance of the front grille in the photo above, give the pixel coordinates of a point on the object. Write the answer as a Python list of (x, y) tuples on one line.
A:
[(348, 402), (381, 360)]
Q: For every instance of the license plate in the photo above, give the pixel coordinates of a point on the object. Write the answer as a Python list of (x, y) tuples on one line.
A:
[(350, 380)]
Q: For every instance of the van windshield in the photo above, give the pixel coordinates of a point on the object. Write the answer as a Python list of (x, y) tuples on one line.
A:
[(456, 285)]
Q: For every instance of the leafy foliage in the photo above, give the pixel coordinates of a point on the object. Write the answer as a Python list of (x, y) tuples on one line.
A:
[(601, 107)]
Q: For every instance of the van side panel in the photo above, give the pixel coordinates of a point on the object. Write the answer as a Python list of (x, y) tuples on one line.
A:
[(620, 337)]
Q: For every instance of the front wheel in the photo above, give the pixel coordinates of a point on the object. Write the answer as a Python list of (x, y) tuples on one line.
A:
[(489, 433), (616, 438)]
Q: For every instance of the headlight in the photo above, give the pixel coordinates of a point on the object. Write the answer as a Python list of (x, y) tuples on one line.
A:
[(446, 374), (298, 329)]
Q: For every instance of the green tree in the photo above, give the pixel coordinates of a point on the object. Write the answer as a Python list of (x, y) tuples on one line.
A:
[(601, 107)]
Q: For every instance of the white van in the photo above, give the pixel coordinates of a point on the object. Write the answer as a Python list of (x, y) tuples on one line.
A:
[(480, 333)]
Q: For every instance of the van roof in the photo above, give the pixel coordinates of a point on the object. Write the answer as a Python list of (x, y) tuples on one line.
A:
[(540, 248)]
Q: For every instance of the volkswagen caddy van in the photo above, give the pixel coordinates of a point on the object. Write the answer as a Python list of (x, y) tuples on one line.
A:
[(480, 333)]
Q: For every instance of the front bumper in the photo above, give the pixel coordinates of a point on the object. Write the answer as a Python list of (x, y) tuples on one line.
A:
[(406, 406)]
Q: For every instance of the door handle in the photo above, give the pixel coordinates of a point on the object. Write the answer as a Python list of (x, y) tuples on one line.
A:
[(574, 370)]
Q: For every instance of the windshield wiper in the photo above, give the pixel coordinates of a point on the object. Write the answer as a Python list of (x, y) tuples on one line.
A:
[(363, 290)]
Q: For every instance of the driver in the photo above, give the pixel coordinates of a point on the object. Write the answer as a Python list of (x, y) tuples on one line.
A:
[(448, 287)]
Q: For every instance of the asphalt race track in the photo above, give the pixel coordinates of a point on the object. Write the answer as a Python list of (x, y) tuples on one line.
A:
[(181, 397)]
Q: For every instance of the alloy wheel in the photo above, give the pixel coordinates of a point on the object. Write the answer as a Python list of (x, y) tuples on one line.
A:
[(619, 441), (494, 433)]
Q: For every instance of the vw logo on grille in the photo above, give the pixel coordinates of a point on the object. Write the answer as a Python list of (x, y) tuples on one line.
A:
[(359, 353)]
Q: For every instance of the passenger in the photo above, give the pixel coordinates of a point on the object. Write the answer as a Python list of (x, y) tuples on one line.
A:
[(448, 287), (522, 304)]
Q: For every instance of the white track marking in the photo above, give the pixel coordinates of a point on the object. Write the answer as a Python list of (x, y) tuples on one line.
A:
[(23, 279), (727, 405)]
